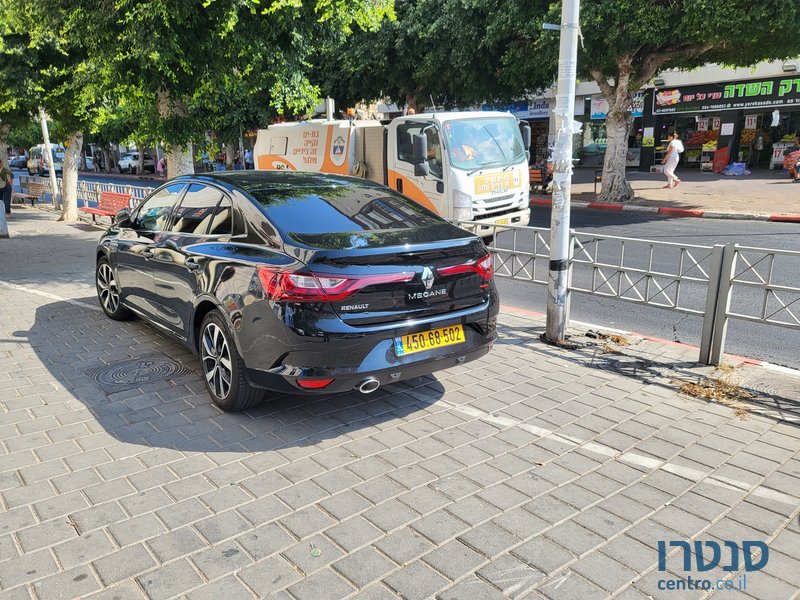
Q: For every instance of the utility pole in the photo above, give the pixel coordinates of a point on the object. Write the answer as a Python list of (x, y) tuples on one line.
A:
[(557, 281), (49, 153)]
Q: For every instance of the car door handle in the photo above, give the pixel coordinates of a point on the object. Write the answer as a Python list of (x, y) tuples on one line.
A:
[(148, 254), (192, 264)]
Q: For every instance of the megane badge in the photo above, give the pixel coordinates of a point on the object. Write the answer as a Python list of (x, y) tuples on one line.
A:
[(427, 277)]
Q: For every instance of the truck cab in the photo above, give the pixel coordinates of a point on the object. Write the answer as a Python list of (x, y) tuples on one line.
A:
[(469, 166)]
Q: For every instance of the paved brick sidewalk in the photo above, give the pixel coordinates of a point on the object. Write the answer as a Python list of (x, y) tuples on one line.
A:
[(534, 473)]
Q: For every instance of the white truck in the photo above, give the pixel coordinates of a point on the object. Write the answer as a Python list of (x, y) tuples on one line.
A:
[(468, 166)]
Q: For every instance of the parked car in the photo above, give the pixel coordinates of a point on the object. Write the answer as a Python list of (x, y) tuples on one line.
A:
[(37, 160), (18, 162), (130, 163), (299, 283)]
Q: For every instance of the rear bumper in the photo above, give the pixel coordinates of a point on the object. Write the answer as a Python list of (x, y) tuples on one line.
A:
[(350, 358), (347, 382)]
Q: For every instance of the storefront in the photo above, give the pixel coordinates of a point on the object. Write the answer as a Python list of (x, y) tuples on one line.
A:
[(749, 121)]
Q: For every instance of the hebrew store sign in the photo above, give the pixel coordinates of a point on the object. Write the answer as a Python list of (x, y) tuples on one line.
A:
[(761, 93)]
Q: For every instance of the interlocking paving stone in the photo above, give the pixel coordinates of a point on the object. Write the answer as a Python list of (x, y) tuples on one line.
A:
[(447, 486), (364, 566), (123, 564), (415, 581), (167, 581)]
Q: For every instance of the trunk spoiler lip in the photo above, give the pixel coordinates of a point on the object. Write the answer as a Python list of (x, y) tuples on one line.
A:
[(319, 254)]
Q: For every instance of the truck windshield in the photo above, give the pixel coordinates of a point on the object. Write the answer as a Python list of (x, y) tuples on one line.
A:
[(491, 141)]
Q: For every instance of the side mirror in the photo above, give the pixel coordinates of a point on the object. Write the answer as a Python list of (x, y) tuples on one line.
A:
[(123, 218), (421, 166), (526, 136)]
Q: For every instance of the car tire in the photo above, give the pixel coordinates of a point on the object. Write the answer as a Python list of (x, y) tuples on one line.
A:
[(217, 347), (108, 292)]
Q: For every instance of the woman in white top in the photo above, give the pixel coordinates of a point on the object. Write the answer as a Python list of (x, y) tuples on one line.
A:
[(671, 159)]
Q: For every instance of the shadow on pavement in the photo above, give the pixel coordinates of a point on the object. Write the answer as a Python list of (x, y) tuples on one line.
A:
[(144, 388)]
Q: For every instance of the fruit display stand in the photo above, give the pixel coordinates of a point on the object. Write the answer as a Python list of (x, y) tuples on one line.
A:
[(693, 155), (707, 157)]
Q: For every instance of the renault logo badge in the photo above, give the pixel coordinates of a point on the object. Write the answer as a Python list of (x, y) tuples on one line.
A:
[(427, 277)]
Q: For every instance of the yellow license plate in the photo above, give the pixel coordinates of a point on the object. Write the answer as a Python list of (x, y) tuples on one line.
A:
[(501, 222), (427, 340)]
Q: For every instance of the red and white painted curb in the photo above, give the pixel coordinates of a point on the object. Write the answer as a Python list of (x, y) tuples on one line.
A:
[(673, 212)]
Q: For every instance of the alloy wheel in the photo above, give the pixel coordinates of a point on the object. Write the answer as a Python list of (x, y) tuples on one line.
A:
[(107, 288), (216, 359)]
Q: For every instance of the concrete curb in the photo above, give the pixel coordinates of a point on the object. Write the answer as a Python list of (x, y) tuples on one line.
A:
[(673, 212), (753, 362)]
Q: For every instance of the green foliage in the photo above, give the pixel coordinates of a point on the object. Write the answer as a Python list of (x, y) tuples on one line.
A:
[(452, 50), (169, 70), (650, 35)]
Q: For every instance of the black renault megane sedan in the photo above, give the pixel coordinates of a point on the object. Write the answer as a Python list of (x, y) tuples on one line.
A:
[(299, 283)]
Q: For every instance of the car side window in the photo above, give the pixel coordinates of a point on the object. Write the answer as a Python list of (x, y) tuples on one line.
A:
[(154, 213), (196, 211), (227, 220)]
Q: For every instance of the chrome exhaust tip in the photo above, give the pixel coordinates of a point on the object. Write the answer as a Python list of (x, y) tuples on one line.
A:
[(368, 385)]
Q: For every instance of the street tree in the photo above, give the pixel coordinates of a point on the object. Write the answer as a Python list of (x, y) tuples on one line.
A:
[(55, 73), (172, 52), (449, 51), (625, 43)]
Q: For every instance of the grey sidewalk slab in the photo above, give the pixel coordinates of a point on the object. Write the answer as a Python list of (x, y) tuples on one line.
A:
[(536, 472)]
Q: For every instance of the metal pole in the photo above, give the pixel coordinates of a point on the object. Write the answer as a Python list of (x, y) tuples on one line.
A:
[(50, 161), (557, 282), (712, 297)]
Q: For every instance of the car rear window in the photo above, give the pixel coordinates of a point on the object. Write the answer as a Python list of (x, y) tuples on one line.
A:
[(341, 209)]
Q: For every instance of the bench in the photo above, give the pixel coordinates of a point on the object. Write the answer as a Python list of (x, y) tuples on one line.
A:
[(539, 178), (109, 205), (598, 178), (33, 192)]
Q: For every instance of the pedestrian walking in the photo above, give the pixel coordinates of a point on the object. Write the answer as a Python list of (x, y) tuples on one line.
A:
[(6, 186), (756, 147), (248, 159), (161, 167), (670, 161)]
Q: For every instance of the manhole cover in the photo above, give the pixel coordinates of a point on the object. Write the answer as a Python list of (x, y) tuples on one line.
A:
[(136, 372)]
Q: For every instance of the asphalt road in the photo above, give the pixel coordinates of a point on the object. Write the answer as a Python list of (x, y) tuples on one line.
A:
[(771, 343)]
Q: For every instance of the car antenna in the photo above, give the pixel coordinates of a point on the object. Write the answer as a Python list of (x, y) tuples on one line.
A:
[(433, 104)]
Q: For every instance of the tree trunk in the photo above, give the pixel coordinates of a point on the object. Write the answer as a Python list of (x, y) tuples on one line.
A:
[(4, 129), (106, 160), (618, 127), (180, 161), (229, 156), (140, 162), (615, 184), (69, 181)]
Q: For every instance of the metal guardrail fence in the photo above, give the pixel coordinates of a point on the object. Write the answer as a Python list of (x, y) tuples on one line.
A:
[(89, 191), (718, 283)]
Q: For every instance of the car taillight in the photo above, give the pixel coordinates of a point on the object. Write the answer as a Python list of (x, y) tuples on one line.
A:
[(293, 286), (482, 267)]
